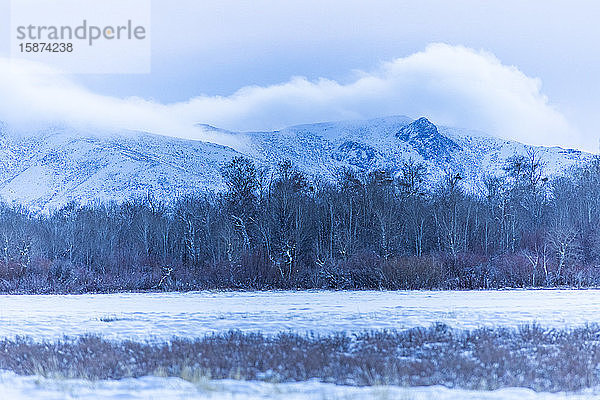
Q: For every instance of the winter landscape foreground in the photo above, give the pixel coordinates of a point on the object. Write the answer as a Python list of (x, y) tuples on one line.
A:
[(421, 326), (14, 387)]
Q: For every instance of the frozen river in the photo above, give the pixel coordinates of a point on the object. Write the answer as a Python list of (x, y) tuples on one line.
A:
[(162, 316)]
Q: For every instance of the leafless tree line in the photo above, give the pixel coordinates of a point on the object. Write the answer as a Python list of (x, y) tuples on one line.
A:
[(278, 228)]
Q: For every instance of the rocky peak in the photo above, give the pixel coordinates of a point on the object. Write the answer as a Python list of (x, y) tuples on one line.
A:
[(425, 138), (421, 128)]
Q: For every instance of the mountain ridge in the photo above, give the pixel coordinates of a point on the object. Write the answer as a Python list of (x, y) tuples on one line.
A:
[(50, 168)]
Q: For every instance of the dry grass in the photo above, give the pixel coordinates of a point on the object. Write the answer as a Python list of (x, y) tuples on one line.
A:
[(531, 356)]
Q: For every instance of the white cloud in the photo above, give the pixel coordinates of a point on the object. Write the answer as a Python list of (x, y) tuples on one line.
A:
[(451, 85), (35, 96)]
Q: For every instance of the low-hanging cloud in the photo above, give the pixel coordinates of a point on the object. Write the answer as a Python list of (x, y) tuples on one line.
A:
[(451, 85)]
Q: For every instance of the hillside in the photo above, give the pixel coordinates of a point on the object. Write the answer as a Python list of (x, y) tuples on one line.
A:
[(46, 170)]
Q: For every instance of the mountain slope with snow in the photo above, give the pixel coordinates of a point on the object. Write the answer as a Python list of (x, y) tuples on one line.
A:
[(50, 170), (46, 170), (321, 149)]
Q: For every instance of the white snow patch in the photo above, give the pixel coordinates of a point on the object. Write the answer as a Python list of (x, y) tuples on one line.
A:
[(160, 316), (16, 387)]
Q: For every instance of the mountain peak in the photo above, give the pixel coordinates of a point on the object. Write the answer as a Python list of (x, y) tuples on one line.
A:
[(425, 138), (420, 128)]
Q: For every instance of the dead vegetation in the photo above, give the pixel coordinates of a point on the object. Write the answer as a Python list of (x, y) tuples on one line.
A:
[(530, 356)]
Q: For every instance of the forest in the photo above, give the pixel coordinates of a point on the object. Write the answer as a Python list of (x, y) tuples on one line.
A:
[(281, 229)]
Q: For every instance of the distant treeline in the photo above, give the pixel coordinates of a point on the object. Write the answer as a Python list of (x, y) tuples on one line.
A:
[(279, 228)]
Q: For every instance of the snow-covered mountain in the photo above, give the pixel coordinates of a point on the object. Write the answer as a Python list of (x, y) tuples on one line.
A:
[(321, 149), (45, 170), (52, 168)]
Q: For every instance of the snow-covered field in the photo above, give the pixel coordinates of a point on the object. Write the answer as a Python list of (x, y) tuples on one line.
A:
[(162, 316), (15, 387)]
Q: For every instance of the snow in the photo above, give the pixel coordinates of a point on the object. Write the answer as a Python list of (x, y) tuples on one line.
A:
[(19, 387), (45, 170), (48, 170), (321, 149), (160, 316)]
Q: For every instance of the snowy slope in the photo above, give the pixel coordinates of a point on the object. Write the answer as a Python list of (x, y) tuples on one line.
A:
[(322, 149), (55, 167), (46, 170)]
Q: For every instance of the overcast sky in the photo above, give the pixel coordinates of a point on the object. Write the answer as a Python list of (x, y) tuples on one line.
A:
[(526, 70)]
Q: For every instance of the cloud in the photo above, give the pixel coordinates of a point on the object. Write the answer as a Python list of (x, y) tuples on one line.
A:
[(451, 85), (35, 95)]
